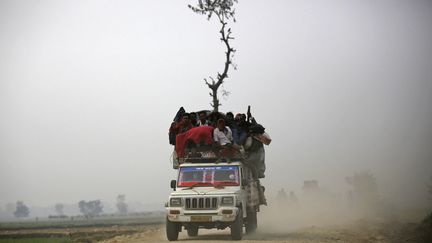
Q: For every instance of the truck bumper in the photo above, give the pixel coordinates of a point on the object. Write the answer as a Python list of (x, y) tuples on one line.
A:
[(223, 214)]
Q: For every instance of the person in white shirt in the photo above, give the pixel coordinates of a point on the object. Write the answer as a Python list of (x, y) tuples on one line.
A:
[(222, 134)]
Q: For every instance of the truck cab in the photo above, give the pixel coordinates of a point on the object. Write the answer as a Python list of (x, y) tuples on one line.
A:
[(213, 195)]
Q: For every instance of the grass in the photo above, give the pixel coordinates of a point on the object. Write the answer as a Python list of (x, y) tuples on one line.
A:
[(73, 231), (37, 240), (67, 223)]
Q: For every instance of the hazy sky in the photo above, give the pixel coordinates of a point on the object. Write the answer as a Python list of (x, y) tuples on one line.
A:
[(88, 90)]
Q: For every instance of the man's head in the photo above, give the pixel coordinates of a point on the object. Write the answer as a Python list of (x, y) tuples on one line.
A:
[(221, 124), (230, 116), (202, 116), (240, 117), (185, 117), (192, 116)]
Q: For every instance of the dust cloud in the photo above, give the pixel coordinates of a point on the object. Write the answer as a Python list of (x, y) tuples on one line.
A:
[(315, 206)]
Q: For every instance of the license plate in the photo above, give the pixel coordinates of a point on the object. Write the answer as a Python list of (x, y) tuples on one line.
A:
[(201, 218)]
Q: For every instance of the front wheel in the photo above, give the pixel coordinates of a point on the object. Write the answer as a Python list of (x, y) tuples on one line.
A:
[(237, 226), (172, 230)]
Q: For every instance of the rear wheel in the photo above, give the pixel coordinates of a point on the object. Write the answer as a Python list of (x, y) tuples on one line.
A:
[(251, 221), (192, 231), (237, 226), (172, 230)]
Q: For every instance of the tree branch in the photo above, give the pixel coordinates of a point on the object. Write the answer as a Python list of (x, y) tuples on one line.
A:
[(223, 10)]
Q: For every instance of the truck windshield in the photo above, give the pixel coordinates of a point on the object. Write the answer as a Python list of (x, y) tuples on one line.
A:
[(209, 176)]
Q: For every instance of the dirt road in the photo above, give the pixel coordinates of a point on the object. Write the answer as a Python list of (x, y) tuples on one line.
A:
[(351, 233), (298, 224)]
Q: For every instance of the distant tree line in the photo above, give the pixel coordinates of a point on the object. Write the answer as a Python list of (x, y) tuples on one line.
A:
[(89, 208)]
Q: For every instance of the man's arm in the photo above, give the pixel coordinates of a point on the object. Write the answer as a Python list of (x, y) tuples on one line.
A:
[(229, 134), (215, 135)]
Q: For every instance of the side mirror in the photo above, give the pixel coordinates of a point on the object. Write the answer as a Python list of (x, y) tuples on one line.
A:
[(173, 184)]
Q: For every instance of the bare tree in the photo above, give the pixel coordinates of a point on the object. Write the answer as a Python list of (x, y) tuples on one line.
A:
[(122, 207), (21, 210), (224, 11), (59, 209)]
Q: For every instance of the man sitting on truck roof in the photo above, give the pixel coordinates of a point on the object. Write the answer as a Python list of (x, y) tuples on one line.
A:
[(203, 119), (229, 119), (222, 134), (239, 129), (184, 124), (213, 117), (193, 119)]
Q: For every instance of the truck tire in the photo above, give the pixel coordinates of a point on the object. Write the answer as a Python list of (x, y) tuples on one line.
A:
[(172, 230), (192, 231), (237, 226), (251, 221)]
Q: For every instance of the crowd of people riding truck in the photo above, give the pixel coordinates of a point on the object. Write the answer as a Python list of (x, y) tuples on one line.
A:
[(225, 135)]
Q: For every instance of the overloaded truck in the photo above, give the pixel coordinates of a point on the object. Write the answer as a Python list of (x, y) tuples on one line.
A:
[(215, 187)]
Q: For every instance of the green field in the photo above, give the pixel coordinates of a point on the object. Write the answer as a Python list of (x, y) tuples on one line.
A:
[(37, 240), (67, 223), (77, 230)]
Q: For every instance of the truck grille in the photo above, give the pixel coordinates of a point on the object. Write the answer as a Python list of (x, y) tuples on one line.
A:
[(201, 203)]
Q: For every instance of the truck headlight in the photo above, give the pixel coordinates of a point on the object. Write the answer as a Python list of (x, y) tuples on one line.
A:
[(175, 201), (227, 201)]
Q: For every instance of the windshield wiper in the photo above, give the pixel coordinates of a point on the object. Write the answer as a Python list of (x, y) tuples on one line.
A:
[(219, 186), (194, 185)]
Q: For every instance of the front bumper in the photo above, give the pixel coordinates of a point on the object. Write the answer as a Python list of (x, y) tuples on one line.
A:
[(202, 216)]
